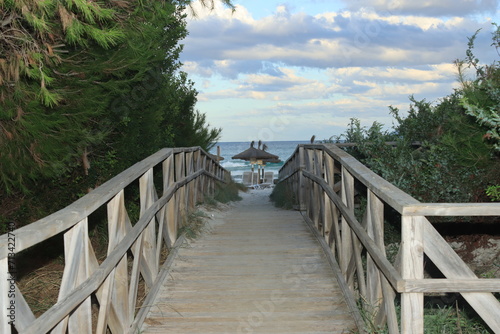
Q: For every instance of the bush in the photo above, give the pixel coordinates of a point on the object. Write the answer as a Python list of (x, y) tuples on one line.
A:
[(282, 197), (228, 192)]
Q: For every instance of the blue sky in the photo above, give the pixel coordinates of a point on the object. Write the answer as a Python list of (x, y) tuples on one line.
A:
[(287, 70)]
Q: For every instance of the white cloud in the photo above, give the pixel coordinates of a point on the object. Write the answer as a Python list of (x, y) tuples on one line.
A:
[(332, 65), (429, 8)]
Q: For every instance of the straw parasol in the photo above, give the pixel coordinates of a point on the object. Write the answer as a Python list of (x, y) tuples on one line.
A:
[(256, 156)]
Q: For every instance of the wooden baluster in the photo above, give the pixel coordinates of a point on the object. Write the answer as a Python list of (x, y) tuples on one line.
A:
[(169, 210), (309, 185), (148, 196), (12, 302), (412, 267), (189, 187), (24, 315), (380, 293), (105, 303), (4, 298), (76, 271), (320, 204), (347, 244), (117, 282), (329, 219), (374, 229), (360, 274), (180, 199), (204, 178), (196, 183), (135, 276), (301, 185)]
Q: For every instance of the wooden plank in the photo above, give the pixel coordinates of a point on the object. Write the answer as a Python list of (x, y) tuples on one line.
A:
[(452, 266), (105, 304), (180, 199), (168, 218), (346, 291), (172, 226), (328, 207), (301, 184), (412, 304), (452, 285), (267, 265), (375, 230), (383, 264), (346, 238), (148, 196), (59, 311), (452, 209), (389, 307), (5, 301), (360, 273), (160, 279), (79, 283), (76, 270), (118, 226), (111, 319), (64, 219), (73, 252), (24, 315), (134, 279), (386, 191)]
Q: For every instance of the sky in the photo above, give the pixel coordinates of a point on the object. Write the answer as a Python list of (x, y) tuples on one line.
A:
[(287, 70)]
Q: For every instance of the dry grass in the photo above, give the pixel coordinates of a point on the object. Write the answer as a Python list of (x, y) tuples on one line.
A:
[(42, 279)]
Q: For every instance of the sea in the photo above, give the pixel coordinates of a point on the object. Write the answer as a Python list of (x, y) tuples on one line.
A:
[(283, 149)]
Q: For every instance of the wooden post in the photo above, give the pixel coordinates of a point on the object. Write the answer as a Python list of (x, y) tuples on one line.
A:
[(347, 245), (375, 230), (320, 193), (180, 173), (190, 204), (76, 271), (4, 299), (197, 197), (170, 232), (412, 267), (301, 191), (148, 196), (328, 206), (118, 226)]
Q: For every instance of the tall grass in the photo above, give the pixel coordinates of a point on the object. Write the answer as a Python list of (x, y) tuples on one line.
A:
[(282, 197), (226, 192)]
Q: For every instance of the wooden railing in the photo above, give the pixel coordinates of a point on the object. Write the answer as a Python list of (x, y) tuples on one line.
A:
[(101, 296), (326, 180)]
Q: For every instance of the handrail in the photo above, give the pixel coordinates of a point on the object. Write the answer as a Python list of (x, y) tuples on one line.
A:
[(188, 173), (316, 172)]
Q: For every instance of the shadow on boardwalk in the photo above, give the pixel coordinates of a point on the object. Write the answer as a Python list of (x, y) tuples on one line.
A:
[(258, 269)]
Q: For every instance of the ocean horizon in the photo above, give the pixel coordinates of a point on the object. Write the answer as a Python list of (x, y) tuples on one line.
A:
[(283, 149)]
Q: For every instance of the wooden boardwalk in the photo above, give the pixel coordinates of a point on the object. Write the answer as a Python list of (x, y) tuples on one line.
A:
[(260, 270)]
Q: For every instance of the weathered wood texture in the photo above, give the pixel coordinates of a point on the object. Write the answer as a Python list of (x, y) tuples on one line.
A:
[(102, 297), (328, 182), (261, 271)]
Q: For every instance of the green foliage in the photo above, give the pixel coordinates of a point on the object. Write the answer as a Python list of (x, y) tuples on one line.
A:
[(193, 226), (107, 80), (445, 168), (493, 192), (481, 96), (228, 192), (282, 197), (89, 84), (459, 135)]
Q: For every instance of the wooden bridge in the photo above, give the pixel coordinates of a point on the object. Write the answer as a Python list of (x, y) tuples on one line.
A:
[(264, 270)]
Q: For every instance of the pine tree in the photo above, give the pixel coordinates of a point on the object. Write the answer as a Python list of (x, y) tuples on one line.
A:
[(81, 81)]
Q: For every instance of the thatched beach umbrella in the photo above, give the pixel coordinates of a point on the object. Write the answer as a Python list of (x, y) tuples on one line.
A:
[(256, 156)]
